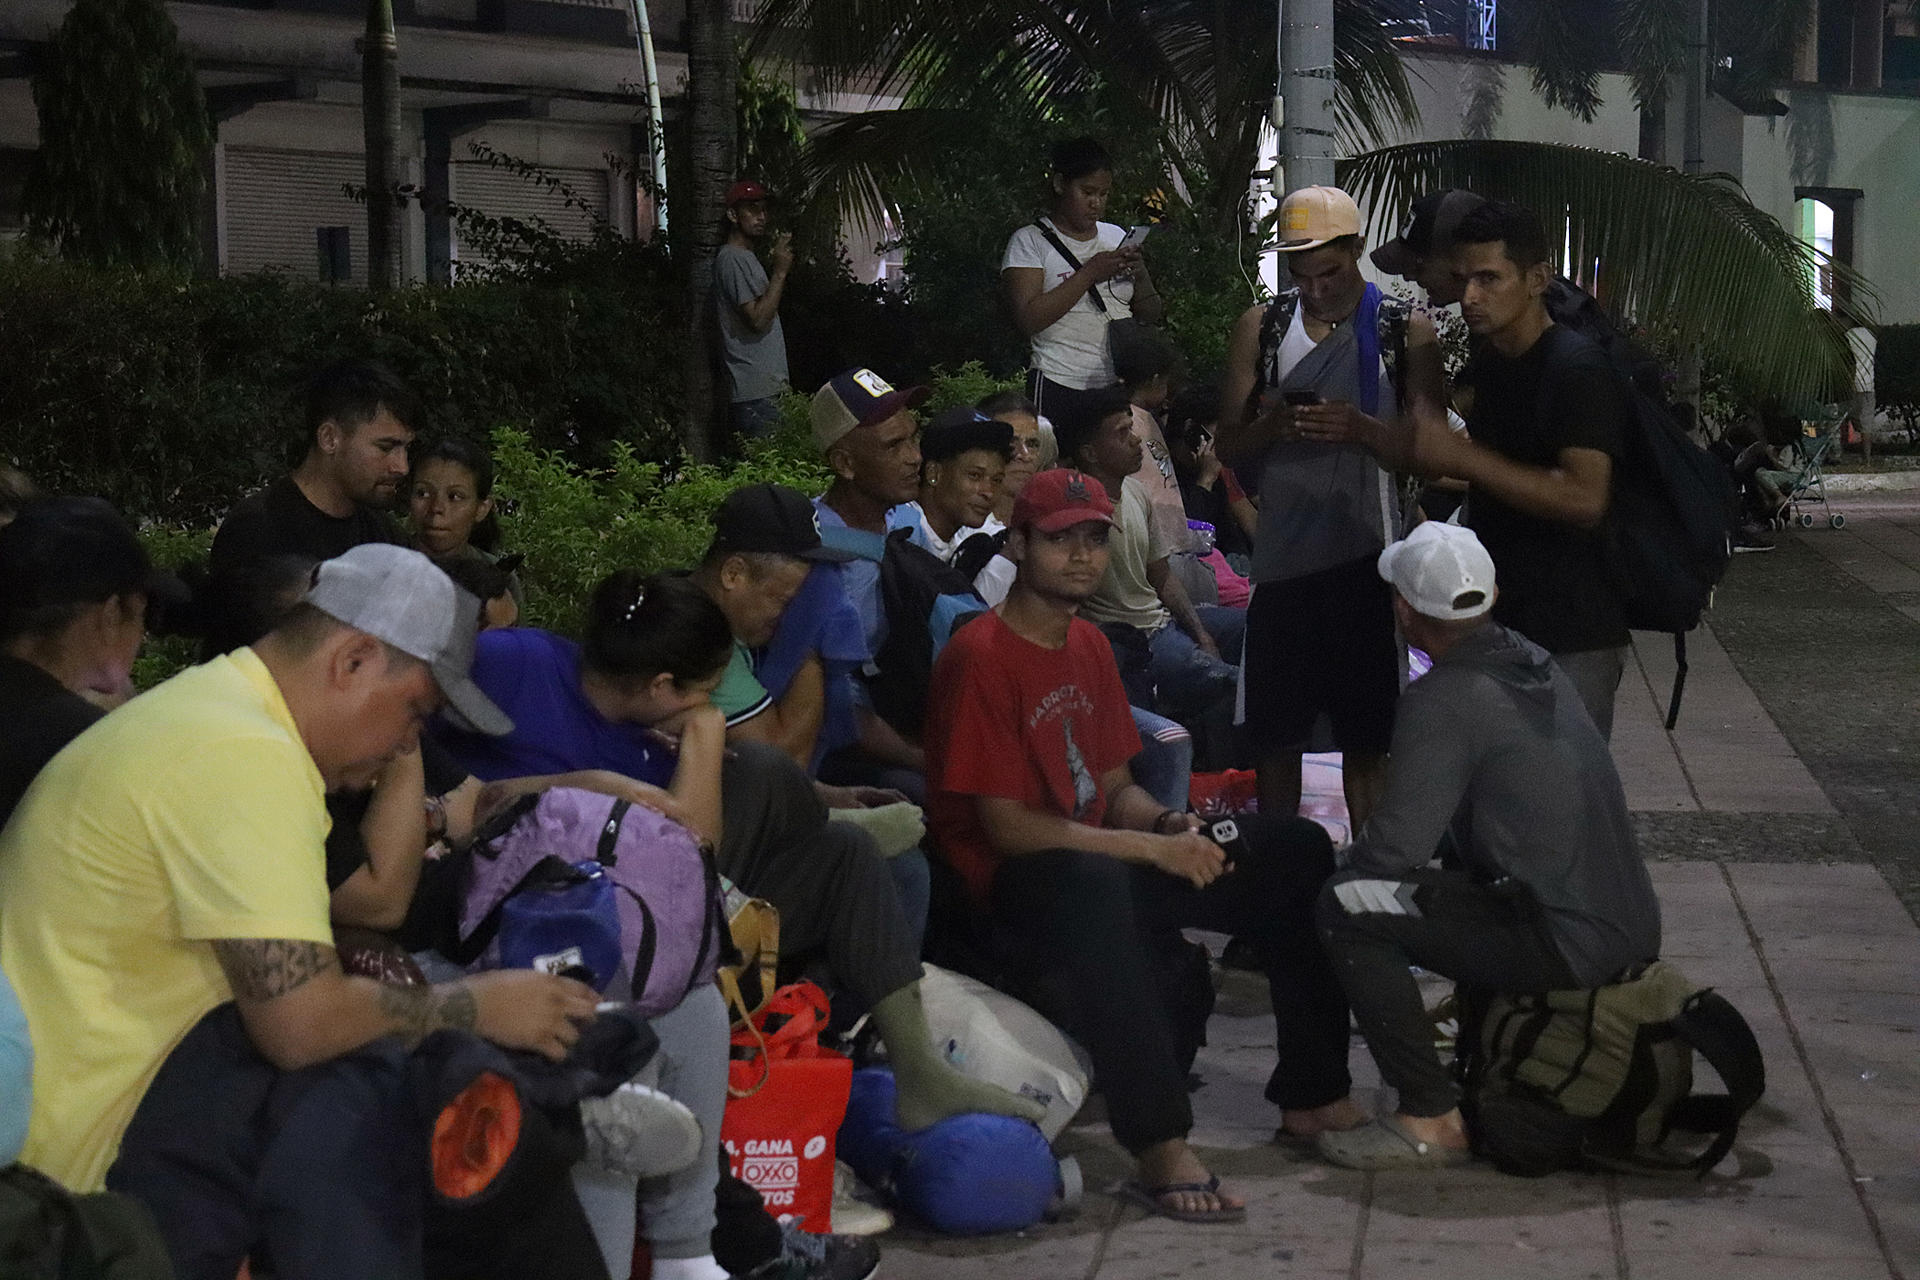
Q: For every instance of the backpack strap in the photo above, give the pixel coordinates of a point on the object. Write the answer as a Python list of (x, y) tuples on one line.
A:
[(1273, 330), (1060, 247), (1718, 1033), (608, 851), (1679, 678), (1391, 325)]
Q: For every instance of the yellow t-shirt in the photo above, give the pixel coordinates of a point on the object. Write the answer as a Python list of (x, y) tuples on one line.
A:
[(192, 813)]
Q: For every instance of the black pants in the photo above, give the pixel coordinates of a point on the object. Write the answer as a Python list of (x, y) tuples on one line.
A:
[(1092, 915), (1487, 936), (326, 1170), (833, 891), (1058, 403)]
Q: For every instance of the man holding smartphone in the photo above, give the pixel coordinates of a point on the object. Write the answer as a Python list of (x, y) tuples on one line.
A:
[(1321, 647)]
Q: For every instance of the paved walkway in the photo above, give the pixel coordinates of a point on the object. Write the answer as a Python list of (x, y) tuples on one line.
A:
[(1782, 818)]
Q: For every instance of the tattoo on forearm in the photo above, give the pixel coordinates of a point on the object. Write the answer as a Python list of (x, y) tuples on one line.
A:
[(267, 968), (421, 1011)]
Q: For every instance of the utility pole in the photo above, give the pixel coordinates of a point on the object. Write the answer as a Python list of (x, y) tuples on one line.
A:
[(1306, 95), (380, 121), (1694, 161)]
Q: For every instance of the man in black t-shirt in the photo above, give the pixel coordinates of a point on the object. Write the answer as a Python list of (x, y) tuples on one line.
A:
[(360, 421), (1544, 434)]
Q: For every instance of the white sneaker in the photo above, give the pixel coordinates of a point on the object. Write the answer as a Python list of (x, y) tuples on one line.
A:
[(855, 1212), (639, 1132)]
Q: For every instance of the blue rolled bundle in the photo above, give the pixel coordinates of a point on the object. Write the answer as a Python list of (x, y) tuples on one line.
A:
[(968, 1175)]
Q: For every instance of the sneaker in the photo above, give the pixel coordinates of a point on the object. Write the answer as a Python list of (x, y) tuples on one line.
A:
[(639, 1132), (810, 1257), (856, 1209)]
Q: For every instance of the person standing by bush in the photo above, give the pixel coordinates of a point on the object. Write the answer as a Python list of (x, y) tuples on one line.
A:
[(1067, 280), (746, 297)]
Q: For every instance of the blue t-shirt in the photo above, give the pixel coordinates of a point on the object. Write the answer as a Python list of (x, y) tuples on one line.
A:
[(534, 676), (860, 577)]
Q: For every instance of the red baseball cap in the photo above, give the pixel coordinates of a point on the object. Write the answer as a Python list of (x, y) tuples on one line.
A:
[(744, 190), (1059, 499)]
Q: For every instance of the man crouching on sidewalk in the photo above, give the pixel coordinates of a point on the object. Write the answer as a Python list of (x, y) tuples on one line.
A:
[(1551, 895)]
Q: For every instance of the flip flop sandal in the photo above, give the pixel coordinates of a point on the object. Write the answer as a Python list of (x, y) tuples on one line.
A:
[(1153, 1200), (1386, 1144)]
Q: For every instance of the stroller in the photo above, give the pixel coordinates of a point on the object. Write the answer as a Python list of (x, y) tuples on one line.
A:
[(1803, 482)]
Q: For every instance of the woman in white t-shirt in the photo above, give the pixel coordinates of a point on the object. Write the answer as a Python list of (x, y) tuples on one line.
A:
[(1065, 303)]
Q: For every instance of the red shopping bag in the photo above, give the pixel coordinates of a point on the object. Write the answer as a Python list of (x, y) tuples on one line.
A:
[(788, 1097)]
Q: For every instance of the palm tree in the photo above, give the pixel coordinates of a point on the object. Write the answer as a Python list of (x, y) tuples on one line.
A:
[(380, 122), (1688, 256), (712, 72), (1199, 73), (1750, 42)]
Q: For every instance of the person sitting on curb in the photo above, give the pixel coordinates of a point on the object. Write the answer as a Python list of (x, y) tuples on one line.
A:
[(1035, 807), (75, 591), (1495, 744), (180, 839), (964, 457), (1188, 665)]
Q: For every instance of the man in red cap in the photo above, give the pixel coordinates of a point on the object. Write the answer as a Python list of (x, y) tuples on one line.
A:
[(747, 301), (1033, 803)]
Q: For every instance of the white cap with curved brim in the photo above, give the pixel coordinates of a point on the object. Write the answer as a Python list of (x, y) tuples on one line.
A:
[(1442, 571), (1313, 216), (399, 596)]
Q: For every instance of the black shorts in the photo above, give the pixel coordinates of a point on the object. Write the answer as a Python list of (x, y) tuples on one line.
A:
[(1322, 643)]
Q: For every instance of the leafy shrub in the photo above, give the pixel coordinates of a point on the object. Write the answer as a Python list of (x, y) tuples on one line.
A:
[(1896, 374)]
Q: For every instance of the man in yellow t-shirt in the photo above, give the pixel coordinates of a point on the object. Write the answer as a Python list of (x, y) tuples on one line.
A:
[(171, 859)]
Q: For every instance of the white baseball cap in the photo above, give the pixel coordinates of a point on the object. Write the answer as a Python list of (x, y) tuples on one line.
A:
[(398, 595), (1442, 571)]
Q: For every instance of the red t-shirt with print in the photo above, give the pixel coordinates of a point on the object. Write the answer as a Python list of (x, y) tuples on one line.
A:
[(1013, 719)]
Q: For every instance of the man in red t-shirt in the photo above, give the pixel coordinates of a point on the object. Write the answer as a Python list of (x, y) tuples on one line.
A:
[(1032, 801)]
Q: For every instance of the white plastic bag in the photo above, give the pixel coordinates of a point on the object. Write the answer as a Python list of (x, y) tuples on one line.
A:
[(988, 1035)]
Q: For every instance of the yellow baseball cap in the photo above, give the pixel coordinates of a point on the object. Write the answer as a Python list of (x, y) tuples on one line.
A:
[(1312, 216)]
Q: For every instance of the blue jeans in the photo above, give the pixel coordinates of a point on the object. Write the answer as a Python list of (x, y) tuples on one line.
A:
[(1187, 676), (755, 419), (1164, 767)]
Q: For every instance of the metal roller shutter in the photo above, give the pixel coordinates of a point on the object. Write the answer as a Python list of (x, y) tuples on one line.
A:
[(277, 200), (503, 193)]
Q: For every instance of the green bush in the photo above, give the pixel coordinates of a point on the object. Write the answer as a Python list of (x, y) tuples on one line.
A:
[(1896, 374), (172, 398)]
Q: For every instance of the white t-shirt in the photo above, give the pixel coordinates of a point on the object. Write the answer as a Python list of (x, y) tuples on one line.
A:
[(1072, 351)]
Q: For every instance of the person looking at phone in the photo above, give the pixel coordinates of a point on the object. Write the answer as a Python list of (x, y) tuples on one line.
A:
[(1069, 276), (1033, 802), (746, 298), (1320, 635)]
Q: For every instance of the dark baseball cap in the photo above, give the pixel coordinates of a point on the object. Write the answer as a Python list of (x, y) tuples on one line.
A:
[(772, 518), (744, 190), (858, 398), (954, 431), (1436, 216), (64, 550)]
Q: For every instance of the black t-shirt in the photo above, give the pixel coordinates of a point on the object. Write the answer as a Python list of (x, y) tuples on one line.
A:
[(1211, 506), (277, 521), (41, 716), (1556, 587), (346, 850)]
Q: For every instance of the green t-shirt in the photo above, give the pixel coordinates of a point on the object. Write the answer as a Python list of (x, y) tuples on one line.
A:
[(740, 695)]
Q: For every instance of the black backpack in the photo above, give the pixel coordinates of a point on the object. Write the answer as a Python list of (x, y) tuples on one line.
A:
[(1602, 1078), (1670, 529), (977, 551), (926, 600)]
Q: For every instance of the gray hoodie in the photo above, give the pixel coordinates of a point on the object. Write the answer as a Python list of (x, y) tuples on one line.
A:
[(1494, 742)]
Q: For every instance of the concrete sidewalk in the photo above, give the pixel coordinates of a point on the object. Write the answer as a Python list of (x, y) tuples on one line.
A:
[(1817, 951)]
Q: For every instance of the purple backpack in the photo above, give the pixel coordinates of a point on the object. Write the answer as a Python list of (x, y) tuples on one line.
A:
[(666, 887)]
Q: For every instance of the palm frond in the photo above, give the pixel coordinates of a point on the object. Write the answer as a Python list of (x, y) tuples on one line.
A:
[(857, 163), (1653, 44), (1372, 97), (1687, 254), (1562, 43)]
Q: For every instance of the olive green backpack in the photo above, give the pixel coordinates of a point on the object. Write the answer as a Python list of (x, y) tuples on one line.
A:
[(1604, 1078), (49, 1233)]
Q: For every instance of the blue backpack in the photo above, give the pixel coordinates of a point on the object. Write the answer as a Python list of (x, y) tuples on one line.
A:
[(926, 600)]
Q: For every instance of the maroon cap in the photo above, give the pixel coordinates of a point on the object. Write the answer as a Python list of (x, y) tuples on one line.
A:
[(744, 190), (1059, 499)]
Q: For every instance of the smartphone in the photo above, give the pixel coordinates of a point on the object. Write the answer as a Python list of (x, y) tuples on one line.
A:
[(1135, 238), (1299, 398)]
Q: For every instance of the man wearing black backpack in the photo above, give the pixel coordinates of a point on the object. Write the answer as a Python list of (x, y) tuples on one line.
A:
[(1545, 434), (1551, 893)]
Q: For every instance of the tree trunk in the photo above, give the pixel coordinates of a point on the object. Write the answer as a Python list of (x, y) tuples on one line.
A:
[(1694, 161), (1307, 86), (380, 118), (712, 70), (1653, 130)]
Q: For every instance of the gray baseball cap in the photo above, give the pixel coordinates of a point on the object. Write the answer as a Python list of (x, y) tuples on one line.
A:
[(399, 596)]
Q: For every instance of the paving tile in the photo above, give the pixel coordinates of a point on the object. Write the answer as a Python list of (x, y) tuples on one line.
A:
[(1819, 974), (1693, 1265), (918, 1256), (1214, 1252), (1435, 1260), (1804, 1207), (1871, 1008), (1478, 1205), (1288, 1196)]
